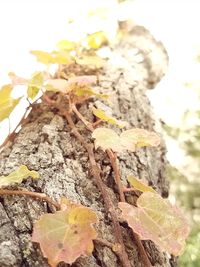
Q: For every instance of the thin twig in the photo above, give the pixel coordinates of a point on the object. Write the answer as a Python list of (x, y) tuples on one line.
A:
[(113, 161), (41, 196), (103, 189)]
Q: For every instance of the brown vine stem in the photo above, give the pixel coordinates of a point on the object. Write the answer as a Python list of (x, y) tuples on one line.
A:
[(41, 196), (103, 189), (113, 161), (143, 254), (122, 190)]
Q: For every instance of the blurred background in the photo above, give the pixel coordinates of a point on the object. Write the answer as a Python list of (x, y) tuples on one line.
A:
[(39, 24)]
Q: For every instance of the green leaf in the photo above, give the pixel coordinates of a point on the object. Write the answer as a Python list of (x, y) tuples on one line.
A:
[(157, 220), (140, 185), (18, 176), (35, 84), (7, 103), (66, 234)]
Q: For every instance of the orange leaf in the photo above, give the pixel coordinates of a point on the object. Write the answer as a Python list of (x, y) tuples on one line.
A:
[(66, 234)]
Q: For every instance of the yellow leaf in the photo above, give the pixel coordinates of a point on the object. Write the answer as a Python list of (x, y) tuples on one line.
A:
[(61, 57), (95, 40), (140, 185), (7, 103), (101, 114), (93, 62), (35, 84), (137, 138), (43, 57), (86, 91), (107, 139), (5, 92), (54, 57), (128, 140), (66, 45), (18, 176)]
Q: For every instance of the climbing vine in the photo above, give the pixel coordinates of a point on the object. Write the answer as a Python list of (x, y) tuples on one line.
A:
[(69, 232)]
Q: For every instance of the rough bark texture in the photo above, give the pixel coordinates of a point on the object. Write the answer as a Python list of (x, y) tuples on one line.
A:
[(45, 144)]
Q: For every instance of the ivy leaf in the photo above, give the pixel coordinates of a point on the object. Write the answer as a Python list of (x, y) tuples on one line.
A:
[(73, 84), (80, 86), (18, 176), (66, 234), (87, 91), (42, 56), (128, 140), (82, 81), (54, 57), (17, 80), (95, 40), (57, 85), (156, 219), (107, 139), (101, 114), (136, 138), (66, 45), (35, 84), (92, 62), (140, 185), (61, 57), (7, 103)]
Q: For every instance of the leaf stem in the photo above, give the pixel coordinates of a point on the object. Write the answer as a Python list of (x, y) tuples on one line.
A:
[(40, 196), (80, 116)]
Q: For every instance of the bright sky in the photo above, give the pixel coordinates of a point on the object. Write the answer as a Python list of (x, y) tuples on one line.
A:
[(38, 24)]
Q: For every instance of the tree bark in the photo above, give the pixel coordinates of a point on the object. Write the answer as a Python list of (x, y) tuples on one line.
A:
[(46, 144)]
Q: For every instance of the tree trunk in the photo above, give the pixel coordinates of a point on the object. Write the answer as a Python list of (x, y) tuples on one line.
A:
[(46, 144)]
